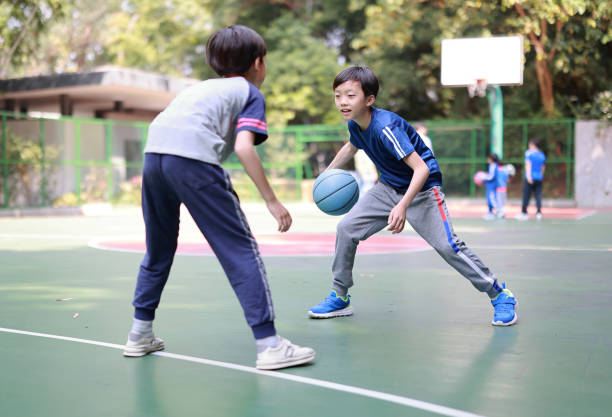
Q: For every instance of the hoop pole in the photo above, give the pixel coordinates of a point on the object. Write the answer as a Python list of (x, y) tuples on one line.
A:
[(496, 107)]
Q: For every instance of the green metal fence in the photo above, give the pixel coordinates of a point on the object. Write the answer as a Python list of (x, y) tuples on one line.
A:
[(70, 161)]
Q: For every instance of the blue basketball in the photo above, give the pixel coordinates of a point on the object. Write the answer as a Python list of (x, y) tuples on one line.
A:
[(335, 191)]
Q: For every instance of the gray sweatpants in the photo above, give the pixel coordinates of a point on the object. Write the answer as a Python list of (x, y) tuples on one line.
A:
[(427, 215)]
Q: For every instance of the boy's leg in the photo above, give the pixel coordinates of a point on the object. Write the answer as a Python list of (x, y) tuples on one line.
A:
[(526, 196), (537, 187), (428, 216), (501, 203), (161, 209), (491, 202), (368, 216), (207, 193)]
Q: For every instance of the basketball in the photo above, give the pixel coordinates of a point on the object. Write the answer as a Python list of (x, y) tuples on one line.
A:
[(478, 177), (335, 192)]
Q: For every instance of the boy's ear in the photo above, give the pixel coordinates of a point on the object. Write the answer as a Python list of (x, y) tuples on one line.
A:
[(259, 61), (370, 100)]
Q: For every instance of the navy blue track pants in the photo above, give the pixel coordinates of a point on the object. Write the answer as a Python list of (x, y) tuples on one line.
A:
[(206, 191)]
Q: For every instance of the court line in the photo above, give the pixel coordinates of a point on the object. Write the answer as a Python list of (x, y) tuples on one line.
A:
[(542, 248), (94, 243), (409, 402), (587, 214)]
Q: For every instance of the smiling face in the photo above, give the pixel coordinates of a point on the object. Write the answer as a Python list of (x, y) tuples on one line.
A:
[(352, 102)]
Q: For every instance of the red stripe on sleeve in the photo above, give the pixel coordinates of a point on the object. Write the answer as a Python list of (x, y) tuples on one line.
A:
[(247, 121)]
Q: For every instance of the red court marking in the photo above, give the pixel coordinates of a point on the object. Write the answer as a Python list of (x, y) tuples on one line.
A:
[(287, 245), (458, 210)]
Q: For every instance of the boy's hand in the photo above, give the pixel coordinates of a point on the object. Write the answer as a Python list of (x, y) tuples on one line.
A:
[(281, 214), (397, 218)]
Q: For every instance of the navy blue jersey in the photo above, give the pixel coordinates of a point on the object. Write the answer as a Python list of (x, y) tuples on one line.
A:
[(387, 140)]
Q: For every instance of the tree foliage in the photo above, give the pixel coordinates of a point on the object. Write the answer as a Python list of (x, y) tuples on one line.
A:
[(567, 48), (567, 43), (22, 24)]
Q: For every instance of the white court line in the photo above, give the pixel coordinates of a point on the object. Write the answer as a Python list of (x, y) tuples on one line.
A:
[(587, 214), (543, 248), (40, 236), (409, 402), (98, 243)]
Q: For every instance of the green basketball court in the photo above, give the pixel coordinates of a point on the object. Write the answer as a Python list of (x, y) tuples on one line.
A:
[(419, 344)]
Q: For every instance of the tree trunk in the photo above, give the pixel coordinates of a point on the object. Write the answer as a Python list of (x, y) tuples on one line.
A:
[(546, 86), (542, 61)]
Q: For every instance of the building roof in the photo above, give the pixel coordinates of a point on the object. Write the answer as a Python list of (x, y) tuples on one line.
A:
[(99, 88)]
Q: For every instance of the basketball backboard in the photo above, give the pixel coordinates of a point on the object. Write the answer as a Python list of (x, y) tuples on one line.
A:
[(498, 60)]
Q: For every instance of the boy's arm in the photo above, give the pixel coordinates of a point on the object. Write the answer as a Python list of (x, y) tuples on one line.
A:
[(528, 171), (245, 150), (397, 217), (490, 174), (345, 154)]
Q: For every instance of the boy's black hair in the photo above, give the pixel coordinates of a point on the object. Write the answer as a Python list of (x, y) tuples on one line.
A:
[(369, 82), (495, 158), (537, 142), (232, 50)]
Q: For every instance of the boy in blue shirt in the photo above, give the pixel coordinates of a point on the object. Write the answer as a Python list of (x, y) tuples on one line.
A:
[(535, 164), (409, 189), (186, 145)]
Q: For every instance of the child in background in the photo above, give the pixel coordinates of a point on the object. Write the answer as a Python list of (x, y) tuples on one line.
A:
[(535, 164), (367, 172), (186, 145), (421, 129), (501, 191), (409, 189), (504, 172), (490, 182)]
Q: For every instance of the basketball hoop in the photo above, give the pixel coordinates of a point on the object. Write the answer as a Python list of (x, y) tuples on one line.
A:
[(479, 88)]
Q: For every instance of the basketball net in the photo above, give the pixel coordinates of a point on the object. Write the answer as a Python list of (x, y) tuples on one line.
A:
[(479, 88)]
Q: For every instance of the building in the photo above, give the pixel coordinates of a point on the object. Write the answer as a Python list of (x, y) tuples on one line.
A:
[(92, 124)]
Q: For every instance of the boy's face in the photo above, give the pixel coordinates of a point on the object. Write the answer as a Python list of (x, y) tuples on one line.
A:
[(352, 102)]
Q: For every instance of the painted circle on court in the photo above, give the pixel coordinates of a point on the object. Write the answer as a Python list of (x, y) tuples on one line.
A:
[(283, 245)]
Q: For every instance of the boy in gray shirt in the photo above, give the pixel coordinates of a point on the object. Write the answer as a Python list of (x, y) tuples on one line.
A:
[(186, 145)]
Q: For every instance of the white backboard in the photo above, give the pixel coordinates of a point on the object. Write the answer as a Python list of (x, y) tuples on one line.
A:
[(497, 59)]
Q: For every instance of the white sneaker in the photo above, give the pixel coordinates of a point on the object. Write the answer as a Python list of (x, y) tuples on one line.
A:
[(143, 346), (522, 216), (489, 216), (539, 216), (284, 355)]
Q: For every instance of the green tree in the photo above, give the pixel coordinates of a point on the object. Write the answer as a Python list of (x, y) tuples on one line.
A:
[(166, 37), (22, 23), (565, 34), (298, 87), (76, 40), (566, 40)]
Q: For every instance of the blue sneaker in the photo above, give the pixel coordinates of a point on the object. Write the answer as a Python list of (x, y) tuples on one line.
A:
[(504, 308), (332, 306)]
